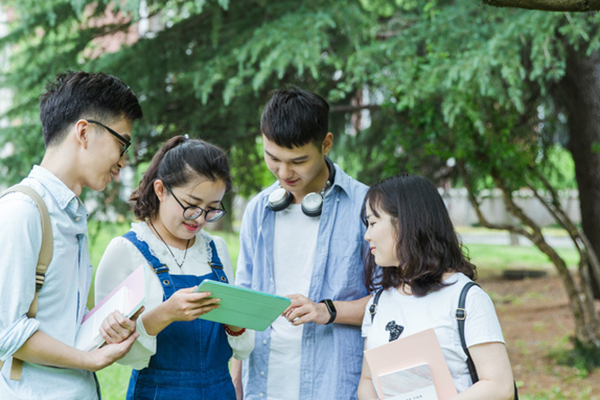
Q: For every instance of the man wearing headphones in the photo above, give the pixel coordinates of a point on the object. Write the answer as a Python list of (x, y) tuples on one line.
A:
[(303, 238)]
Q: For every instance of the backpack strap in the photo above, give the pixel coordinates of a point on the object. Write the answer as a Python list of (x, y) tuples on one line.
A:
[(461, 316), (44, 259), (373, 308)]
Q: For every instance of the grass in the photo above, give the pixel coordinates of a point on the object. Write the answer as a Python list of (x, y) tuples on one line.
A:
[(499, 257), (114, 379)]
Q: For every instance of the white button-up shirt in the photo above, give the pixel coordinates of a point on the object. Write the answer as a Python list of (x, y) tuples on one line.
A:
[(62, 298)]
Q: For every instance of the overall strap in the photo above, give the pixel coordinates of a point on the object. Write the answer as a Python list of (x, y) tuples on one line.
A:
[(160, 269), (373, 308), (461, 315), (215, 263), (44, 258)]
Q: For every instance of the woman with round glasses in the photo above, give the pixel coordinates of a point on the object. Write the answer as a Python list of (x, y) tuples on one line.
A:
[(177, 355)]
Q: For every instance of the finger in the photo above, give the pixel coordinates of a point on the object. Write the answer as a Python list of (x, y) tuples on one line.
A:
[(105, 336), (207, 309), (120, 325), (128, 343), (135, 316)]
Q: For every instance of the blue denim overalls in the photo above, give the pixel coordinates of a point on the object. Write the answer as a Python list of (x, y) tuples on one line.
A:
[(191, 360)]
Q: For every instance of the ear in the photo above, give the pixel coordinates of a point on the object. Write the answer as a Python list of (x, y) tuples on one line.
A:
[(82, 131), (158, 189), (327, 143)]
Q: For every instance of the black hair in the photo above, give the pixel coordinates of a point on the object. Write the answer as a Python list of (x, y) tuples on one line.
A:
[(427, 245), (75, 95), (294, 117), (179, 161)]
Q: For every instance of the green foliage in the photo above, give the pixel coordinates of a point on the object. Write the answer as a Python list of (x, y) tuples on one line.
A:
[(453, 80)]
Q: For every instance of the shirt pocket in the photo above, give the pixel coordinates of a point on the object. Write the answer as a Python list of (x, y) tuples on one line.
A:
[(344, 272)]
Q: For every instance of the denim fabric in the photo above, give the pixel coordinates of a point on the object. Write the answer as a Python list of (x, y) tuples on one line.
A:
[(191, 360), (331, 354)]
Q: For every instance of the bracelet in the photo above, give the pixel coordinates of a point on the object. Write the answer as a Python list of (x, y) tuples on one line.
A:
[(232, 333)]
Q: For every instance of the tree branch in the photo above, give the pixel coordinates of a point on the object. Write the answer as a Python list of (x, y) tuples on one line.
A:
[(350, 108), (547, 5)]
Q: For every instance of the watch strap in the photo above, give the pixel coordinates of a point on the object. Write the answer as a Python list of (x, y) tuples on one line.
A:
[(331, 309)]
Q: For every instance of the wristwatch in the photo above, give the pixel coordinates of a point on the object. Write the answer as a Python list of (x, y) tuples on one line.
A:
[(331, 309)]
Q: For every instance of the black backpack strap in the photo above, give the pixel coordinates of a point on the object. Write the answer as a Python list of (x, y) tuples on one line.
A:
[(461, 316), (373, 308)]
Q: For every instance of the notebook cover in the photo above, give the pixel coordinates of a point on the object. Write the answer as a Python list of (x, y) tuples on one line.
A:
[(243, 307), (420, 348), (128, 297)]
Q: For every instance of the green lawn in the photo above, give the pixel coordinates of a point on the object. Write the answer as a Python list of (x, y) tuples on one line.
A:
[(499, 257), (488, 258)]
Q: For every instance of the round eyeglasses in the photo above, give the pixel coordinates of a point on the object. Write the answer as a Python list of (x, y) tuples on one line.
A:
[(193, 212)]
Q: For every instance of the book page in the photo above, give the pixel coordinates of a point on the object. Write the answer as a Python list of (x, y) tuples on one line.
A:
[(409, 383)]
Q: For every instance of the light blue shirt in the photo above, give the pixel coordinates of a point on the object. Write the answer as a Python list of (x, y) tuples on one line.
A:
[(62, 298), (331, 354)]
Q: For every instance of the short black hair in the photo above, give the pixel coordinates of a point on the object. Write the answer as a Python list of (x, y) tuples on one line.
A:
[(427, 245), (294, 117), (74, 95)]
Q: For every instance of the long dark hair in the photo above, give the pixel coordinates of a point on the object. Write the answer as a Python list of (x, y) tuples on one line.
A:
[(427, 245), (179, 161)]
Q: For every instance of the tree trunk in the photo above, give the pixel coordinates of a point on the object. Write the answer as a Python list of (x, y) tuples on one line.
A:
[(580, 89)]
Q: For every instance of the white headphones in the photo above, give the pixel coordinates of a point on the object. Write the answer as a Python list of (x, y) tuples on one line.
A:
[(312, 203)]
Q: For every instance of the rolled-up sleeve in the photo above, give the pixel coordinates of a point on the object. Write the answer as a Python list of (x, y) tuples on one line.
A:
[(21, 240)]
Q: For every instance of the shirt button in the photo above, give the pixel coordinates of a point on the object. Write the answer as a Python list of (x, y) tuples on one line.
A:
[(265, 341), (77, 219), (261, 395), (262, 373)]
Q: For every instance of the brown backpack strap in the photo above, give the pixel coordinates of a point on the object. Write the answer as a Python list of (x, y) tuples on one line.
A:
[(44, 259)]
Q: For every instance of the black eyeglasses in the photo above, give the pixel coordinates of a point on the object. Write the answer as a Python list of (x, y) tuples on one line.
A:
[(193, 212), (126, 143)]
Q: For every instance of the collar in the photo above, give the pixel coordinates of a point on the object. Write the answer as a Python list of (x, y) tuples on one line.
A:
[(57, 188)]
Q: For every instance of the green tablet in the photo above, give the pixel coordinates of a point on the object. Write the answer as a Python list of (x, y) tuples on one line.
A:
[(243, 307)]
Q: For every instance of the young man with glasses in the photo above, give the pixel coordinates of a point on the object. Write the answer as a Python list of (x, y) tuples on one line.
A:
[(303, 238), (80, 152)]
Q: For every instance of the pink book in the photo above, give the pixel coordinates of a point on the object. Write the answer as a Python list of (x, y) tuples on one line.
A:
[(407, 365), (128, 298)]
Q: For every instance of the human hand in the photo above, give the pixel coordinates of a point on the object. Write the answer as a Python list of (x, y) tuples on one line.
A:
[(303, 310), (109, 353), (116, 327), (185, 305)]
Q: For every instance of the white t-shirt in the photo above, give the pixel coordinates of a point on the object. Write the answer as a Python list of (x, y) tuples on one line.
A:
[(294, 249), (437, 310)]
